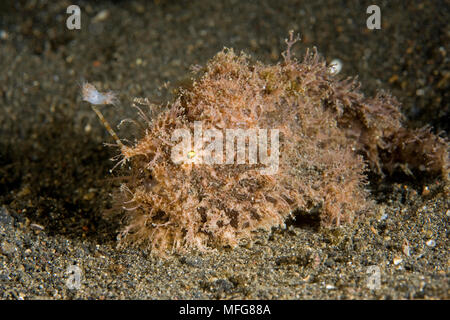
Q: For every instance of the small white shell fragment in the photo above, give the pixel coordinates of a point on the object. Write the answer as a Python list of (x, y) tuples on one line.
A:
[(36, 226), (397, 261), (405, 248), (431, 243), (335, 66), (101, 16), (4, 35)]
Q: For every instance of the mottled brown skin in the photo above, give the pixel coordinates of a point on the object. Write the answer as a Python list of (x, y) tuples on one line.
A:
[(329, 132)]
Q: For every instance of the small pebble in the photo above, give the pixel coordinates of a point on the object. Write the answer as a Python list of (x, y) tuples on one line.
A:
[(5, 217), (420, 92), (7, 248)]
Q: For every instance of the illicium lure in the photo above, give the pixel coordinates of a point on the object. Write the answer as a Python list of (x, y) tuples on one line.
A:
[(94, 97)]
